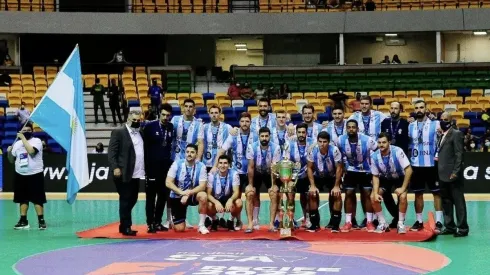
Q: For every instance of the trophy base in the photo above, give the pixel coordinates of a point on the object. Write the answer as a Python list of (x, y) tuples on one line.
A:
[(285, 232)]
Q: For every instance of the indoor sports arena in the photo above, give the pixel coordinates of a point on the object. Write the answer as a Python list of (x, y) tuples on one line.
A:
[(242, 137)]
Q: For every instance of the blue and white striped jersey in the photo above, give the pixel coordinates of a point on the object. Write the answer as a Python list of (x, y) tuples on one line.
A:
[(214, 139), (423, 142), (238, 145), (257, 123), (391, 166), (298, 153), (356, 156), (325, 165), (336, 131), (222, 187), (263, 158), (185, 132), (369, 125), (186, 177)]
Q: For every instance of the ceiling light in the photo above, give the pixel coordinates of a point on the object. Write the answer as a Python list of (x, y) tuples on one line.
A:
[(242, 49), (240, 45), (391, 34), (480, 33)]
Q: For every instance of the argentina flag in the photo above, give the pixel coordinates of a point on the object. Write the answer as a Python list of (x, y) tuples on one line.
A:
[(61, 114)]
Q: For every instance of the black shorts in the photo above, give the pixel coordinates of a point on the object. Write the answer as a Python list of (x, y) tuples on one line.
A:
[(179, 210), (29, 189), (303, 185), (224, 200), (325, 183), (423, 177), (388, 184), (354, 179), (262, 179), (208, 169), (243, 181)]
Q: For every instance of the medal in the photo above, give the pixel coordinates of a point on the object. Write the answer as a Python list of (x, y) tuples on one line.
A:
[(163, 134), (177, 150), (208, 155), (239, 165), (393, 141)]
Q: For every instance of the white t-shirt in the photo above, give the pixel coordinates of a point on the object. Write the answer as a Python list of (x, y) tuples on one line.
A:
[(26, 164)]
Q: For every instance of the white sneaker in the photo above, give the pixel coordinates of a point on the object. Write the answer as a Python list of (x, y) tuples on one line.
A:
[(256, 224), (308, 223), (382, 228), (188, 225), (203, 230), (401, 229), (168, 225)]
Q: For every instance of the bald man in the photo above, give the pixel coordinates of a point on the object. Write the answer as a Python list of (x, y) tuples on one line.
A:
[(449, 157), (397, 128)]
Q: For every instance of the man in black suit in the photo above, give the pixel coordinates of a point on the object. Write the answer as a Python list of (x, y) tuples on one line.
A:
[(127, 162), (450, 167), (397, 128)]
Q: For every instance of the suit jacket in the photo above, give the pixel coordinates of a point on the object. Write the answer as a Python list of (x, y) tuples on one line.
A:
[(401, 134), (121, 153), (451, 155)]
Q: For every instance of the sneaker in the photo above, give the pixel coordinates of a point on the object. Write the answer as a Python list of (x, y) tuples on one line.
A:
[(230, 226), (214, 225), (238, 225), (160, 227), (313, 228), (376, 222), (394, 224), (276, 224), (151, 229), (417, 226), (355, 225), (168, 225), (203, 230), (382, 228), (295, 224), (401, 229), (42, 225), (346, 228), (370, 227), (256, 225), (335, 229), (222, 223), (438, 228), (22, 225), (329, 225), (208, 222), (307, 223), (363, 224)]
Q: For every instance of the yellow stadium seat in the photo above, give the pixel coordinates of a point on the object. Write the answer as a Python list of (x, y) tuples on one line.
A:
[(38, 70), (456, 100), (297, 96), (104, 79), (464, 107), (349, 94), (431, 101), (457, 115), (400, 94), (405, 115), (484, 100), (405, 101), (291, 110), (444, 100), (4, 90), (477, 107), (196, 96), (131, 96), (199, 102), (51, 70), (384, 108), (463, 123), (130, 88), (476, 92), (276, 103), (326, 102), (471, 100), (389, 100), (310, 96), (24, 77), (253, 113), (220, 96), (170, 96), (385, 94), (41, 82), (278, 108), (224, 103), (182, 96), (89, 79), (250, 109), (436, 108), (425, 94), (142, 89), (322, 95), (16, 88), (374, 94), (127, 76), (289, 102), (450, 93), (212, 102), (408, 108), (412, 94)]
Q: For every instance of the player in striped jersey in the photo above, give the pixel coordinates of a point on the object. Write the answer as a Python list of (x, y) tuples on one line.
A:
[(223, 193), (308, 113), (325, 168), (280, 135), (337, 126), (356, 150), (215, 135), (264, 119), (187, 130), (297, 152), (391, 169), (369, 120), (423, 147)]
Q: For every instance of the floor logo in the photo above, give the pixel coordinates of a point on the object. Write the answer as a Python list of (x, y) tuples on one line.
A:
[(235, 258)]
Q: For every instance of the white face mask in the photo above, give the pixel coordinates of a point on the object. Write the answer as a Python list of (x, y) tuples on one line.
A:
[(472, 145), (487, 143)]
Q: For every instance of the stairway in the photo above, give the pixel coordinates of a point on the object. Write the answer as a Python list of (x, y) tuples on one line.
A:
[(244, 6), (100, 132)]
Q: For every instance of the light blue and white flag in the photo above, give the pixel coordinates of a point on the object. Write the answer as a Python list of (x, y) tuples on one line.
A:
[(61, 114)]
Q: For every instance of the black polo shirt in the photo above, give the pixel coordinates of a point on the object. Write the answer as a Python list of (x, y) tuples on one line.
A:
[(158, 145), (400, 127)]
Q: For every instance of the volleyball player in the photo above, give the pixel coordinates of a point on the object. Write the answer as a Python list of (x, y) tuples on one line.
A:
[(325, 168), (223, 193), (423, 147), (390, 168), (337, 127), (187, 181), (215, 135), (369, 120)]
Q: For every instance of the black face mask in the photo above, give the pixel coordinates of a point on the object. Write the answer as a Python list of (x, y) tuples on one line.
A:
[(264, 142), (135, 124), (445, 125), (420, 115), (28, 135), (99, 149)]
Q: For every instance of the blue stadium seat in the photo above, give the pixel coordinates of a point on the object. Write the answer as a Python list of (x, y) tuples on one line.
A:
[(228, 111), (478, 131), (464, 92), (201, 110), (379, 101), (205, 118), (134, 103), (7, 142), (11, 126), (476, 122), (208, 96), (470, 115), (4, 103), (41, 135), (296, 118), (176, 111), (250, 102), (11, 118), (239, 111), (10, 134), (321, 117)]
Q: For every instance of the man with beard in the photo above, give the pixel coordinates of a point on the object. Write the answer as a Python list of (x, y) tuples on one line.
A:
[(423, 148), (397, 128), (238, 145), (336, 127), (187, 181), (308, 112), (280, 135), (325, 168), (223, 193), (356, 150), (297, 153), (215, 135), (157, 136), (369, 121), (264, 119), (391, 169), (260, 157)]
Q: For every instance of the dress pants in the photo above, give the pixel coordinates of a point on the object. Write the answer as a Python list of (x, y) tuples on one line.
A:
[(128, 196), (157, 190), (452, 194)]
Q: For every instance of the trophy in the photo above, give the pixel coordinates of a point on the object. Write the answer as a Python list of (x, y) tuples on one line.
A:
[(287, 172)]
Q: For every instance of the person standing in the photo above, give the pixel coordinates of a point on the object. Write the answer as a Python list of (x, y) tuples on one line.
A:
[(450, 171), (97, 92), (127, 162), (27, 154), (157, 137), (155, 93), (114, 96)]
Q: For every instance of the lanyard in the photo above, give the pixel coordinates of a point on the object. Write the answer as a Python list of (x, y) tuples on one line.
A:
[(281, 139), (215, 136), (184, 130), (341, 129), (302, 155), (223, 184), (264, 158), (189, 177), (244, 144), (266, 122), (394, 131), (420, 131), (324, 162), (366, 124), (163, 134), (386, 162)]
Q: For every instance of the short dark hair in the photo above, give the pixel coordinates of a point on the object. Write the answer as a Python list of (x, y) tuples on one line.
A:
[(352, 121), (420, 101), (188, 100), (264, 130), (366, 97), (29, 124), (245, 115), (308, 106), (302, 125), (337, 107), (215, 106), (263, 100), (224, 157), (323, 135), (167, 107), (384, 135), (193, 146)]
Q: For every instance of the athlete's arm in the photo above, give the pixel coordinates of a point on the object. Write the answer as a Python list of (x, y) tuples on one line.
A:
[(210, 189), (236, 187), (338, 174), (200, 141), (202, 182), (251, 171), (170, 180), (375, 194), (222, 150), (311, 177)]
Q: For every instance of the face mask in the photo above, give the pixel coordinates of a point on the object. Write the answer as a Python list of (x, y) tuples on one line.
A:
[(99, 149), (135, 124), (420, 115), (22, 107), (28, 135), (472, 145), (487, 143), (264, 142), (445, 125)]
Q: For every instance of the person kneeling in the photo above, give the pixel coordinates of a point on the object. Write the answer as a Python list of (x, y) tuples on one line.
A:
[(186, 179), (223, 190), (390, 168)]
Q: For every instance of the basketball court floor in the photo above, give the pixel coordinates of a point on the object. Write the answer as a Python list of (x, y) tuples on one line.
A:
[(58, 250)]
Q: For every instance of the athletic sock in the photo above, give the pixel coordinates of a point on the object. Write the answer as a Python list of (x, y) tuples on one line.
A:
[(277, 217), (419, 217), (169, 215), (336, 217), (23, 218), (256, 213), (315, 217), (348, 217), (221, 215), (438, 216), (369, 217), (401, 217), (202, 218), (381, 217), (40, 217)]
